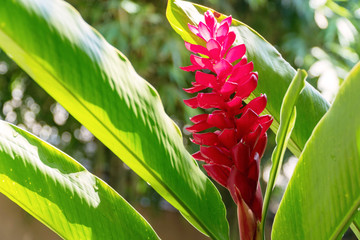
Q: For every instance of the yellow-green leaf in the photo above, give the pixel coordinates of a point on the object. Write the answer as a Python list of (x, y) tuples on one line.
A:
[(99, 87), (287, 123), (61, 193), (323, 194)]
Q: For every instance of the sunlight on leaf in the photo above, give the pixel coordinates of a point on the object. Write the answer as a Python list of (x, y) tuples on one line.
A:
[(326, 177), (97, 85), (61, 193), (287, 123)]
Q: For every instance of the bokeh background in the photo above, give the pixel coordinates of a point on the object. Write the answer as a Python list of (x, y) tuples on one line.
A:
[(321, 36)]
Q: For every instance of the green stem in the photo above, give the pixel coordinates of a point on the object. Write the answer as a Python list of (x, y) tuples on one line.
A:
[(268, 192), (287, 123)]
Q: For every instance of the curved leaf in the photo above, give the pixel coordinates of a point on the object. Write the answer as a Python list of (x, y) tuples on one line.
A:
[(324, 190), (287, 123), (275, 73), (355, 226), (99, 87), (61, 193)]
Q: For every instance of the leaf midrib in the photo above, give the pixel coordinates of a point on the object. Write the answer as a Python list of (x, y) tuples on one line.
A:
[(176, 198)]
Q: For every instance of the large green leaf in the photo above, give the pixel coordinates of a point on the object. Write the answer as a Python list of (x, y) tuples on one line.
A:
[(99, 87), (61, 193), (275, 73), (287, 123), (323, 194)]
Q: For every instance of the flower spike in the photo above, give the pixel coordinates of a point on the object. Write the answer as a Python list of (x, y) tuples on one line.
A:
[(232, 153)]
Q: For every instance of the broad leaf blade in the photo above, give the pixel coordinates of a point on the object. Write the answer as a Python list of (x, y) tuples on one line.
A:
[(287, 123), (275, 73), (324, 190), (99, 87), (61, 193)]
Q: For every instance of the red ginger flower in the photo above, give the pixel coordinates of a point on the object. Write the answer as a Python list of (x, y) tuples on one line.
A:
[(232, 153)]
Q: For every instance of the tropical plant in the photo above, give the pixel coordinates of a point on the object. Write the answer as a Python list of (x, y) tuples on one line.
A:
[(233, 151), (99, 87)]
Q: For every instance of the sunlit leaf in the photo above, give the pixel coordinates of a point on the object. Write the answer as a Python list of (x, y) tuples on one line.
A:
[(287, 123), (99, 87), (323, 194), (61, 193)]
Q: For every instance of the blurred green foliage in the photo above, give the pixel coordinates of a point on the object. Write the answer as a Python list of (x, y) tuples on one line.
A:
[(321, 36)]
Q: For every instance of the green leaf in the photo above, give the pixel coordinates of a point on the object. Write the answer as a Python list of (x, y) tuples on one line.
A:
[(287, 123), (355, 227), (323, 194), (100, 88), (275, 73), (61, 193)]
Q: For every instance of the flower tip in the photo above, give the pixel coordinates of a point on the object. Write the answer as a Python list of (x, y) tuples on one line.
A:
[(210, 19), (255, 75), (209, 13), (227, 21), (190, 68), (192, 102), (193, 29), (271, 120), (187, 45)]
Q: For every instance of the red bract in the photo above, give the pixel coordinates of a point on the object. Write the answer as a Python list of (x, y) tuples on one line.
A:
[(233, 151)]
